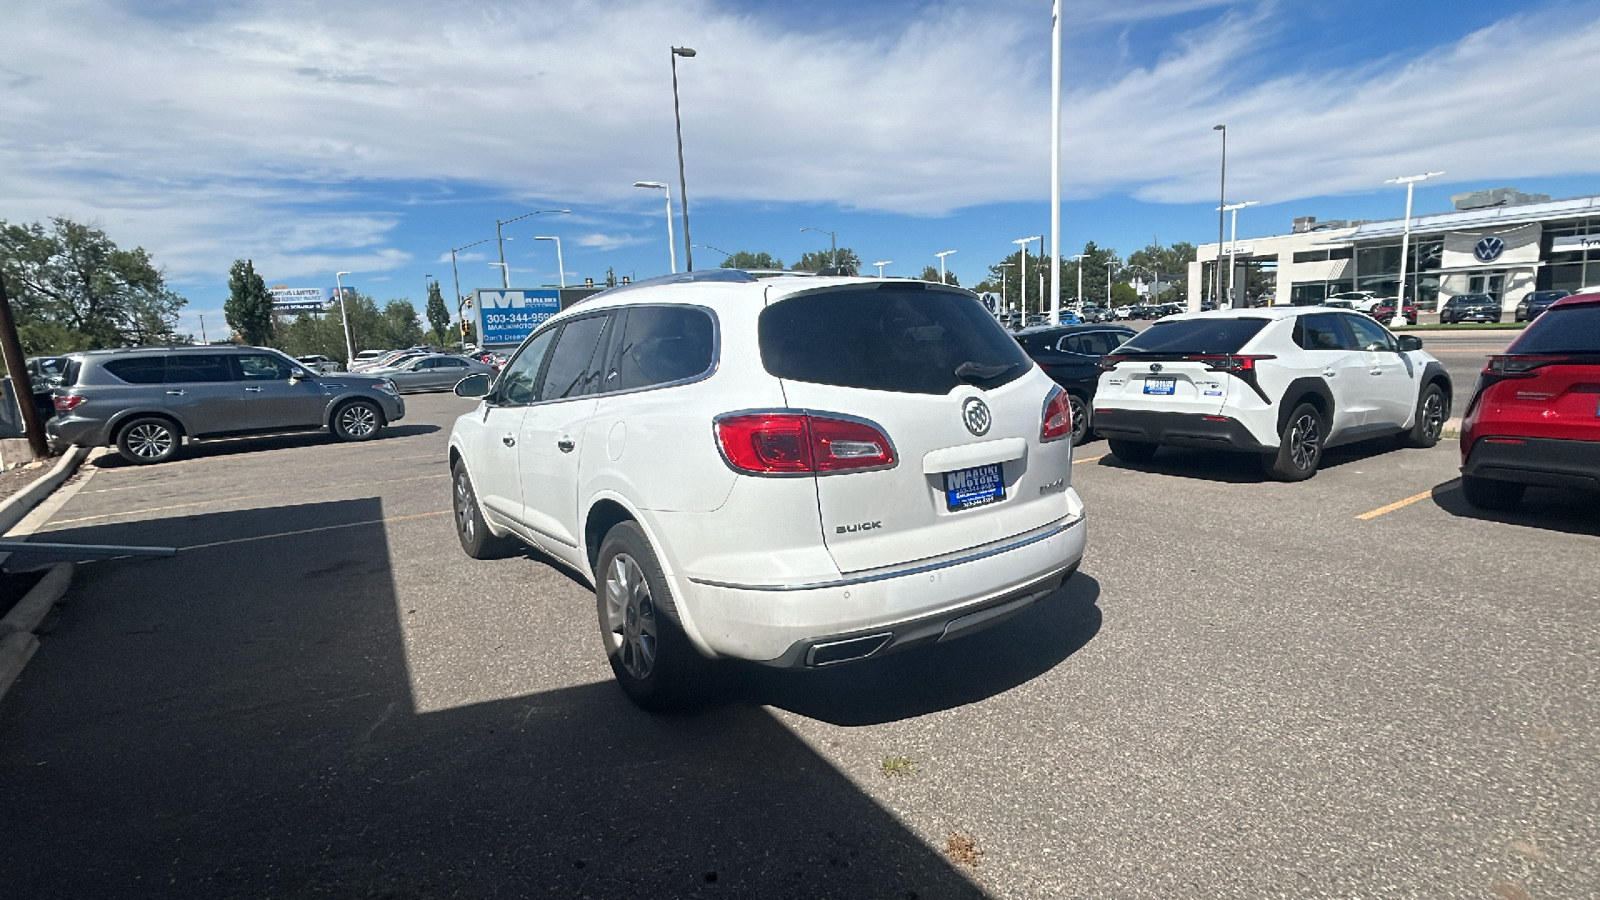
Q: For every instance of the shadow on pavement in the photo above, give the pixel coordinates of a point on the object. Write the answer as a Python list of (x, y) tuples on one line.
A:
[(939, 676), (237, 721), (262, 443), (1243, 468), (1569, 512)]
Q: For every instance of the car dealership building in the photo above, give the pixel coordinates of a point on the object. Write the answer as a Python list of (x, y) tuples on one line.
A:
[(1500, 242)]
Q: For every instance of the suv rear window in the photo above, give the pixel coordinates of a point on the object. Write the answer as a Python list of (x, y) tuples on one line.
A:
[(1569, 329), (897, 337), (1195, 336)]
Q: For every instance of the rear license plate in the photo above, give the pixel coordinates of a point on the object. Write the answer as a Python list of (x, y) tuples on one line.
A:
[(978, 486), (1160, 385)]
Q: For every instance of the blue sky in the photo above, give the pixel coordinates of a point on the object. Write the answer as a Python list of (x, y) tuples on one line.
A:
[(373, 136)]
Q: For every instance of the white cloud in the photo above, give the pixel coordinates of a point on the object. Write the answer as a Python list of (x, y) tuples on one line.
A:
[(255, 131)]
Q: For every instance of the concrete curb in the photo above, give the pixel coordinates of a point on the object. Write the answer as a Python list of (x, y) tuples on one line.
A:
[(21, 503), (17, 641)]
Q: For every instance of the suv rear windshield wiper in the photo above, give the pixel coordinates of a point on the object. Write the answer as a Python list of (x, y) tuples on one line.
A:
[(971, 372)]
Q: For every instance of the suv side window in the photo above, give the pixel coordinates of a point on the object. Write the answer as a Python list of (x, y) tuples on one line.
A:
[(574, 366), (261, 367), (139, 369), (659, 345), (1369, 334), (1321, 331), (191, 368), (520, 376)]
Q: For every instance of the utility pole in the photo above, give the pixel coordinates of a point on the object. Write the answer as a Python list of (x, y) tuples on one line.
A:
[(11, 345)]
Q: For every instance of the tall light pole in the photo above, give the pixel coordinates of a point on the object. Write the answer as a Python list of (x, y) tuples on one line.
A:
[(456, 275), (344, 315), (1410, 181), (1108, 285), (880, 264), (505, 277), (1022, 276), (725, 254), (833, 245), (941, 256), (1055, 168), (1216, 275), (559, 264), (1003, 267), (1079, 299), (505, 273), (1233, 238), (672, 250), (683, 184)]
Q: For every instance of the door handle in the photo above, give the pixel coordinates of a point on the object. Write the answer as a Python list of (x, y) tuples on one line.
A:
[(253, 390), (176, 393), (564, 445), (1329, 373), (509, 441)]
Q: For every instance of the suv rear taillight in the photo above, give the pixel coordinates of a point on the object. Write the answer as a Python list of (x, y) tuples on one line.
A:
[(1501, 367), (70, 401), (783, 443), (1057, 417)]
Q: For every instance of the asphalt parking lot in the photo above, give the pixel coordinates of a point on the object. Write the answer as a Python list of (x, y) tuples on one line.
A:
[(1353, 686)]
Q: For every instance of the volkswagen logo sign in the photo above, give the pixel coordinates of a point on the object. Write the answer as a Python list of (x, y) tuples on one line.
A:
[(1155, 367), (1489, 249), (975, 413)]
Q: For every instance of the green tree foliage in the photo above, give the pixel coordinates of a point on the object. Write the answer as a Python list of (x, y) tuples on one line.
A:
[(398, 325), (248, 308), (390, 328), (1123, 294), (1172, 264), (818, 260), (930, 273), (439, 316), (744, 259), (72, 288)]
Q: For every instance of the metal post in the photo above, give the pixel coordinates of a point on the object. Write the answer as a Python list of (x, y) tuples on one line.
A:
[(344, 314), (505, 279), (1055, 169), (17, 368), (1216, 279), (683, 184)]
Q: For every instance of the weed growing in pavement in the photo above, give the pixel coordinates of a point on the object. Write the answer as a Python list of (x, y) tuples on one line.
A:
[(961, 850), (895, 766)]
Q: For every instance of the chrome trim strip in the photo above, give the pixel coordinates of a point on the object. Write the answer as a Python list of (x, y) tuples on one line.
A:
[(1048, 531)]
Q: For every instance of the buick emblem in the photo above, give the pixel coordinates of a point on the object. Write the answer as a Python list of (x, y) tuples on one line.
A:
[(975, 413), (1155, 367), (1489, 249)]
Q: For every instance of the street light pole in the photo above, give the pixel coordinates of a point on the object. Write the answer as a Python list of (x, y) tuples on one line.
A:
[(1055, 169), (880, 264), (683, 184), (672, 249), (456, 275), (725, 254), (344, 315), (1216, 279), (941, 256), (1022, 276), (1410, 181), (1079, 299), (1108, 285), (833, 245), (559, 264), (1233, 238), (505, 273)]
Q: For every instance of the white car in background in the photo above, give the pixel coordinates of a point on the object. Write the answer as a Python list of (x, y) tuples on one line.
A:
[(1360, 301), (1284, 382), (795, 471)]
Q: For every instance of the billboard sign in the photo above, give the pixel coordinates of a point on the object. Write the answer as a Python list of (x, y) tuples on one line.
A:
[(505, 317), (298, 300)]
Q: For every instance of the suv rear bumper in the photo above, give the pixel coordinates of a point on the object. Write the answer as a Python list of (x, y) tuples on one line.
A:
[(871, 615), (1548, 462), (1176, 429)]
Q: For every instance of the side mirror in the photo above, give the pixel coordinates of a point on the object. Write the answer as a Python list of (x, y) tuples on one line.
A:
[(298, 374), (1409, 342), (473, 385)]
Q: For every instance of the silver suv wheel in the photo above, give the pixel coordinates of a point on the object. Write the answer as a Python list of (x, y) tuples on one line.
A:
[(630, 617)]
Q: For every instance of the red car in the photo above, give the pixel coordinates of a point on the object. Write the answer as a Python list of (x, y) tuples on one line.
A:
[(1535, 415), (1384, 312)]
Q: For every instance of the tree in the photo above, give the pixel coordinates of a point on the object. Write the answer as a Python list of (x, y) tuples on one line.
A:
[(1123, 294), (397, 325), (248, 308), (393, 327), (1171, 263), (744, 259), (438, 313), (611, 277), (817, 260), (72, 288), (929, 273)]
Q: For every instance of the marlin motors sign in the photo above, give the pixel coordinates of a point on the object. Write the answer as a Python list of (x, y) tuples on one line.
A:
[(505, 317)]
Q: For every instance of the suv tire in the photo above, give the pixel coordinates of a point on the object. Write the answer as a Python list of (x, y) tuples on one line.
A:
[(358, 420), (1132, 451), (149, 439), (1300, 448), (1487, 493), (1431, 414), (476, 539), (1081, 432), (648, 651)]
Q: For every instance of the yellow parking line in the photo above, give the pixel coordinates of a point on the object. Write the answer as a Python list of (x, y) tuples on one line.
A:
[(1398, 504), (1089, 459)]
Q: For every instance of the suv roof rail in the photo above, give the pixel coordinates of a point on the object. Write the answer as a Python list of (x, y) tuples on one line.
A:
[(704, 276)]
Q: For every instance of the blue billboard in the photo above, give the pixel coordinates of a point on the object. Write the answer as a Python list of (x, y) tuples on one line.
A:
[(505, 317)]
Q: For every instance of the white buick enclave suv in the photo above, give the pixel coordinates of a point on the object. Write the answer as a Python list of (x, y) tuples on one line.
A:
[(799, 472)]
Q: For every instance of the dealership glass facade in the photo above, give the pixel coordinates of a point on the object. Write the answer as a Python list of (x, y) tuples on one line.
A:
[(1568, 268)]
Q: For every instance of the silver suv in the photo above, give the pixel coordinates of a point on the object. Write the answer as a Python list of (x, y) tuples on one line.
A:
[(145, 400)]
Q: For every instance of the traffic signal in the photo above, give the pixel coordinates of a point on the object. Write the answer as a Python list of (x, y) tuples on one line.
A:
[(463, 329)]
